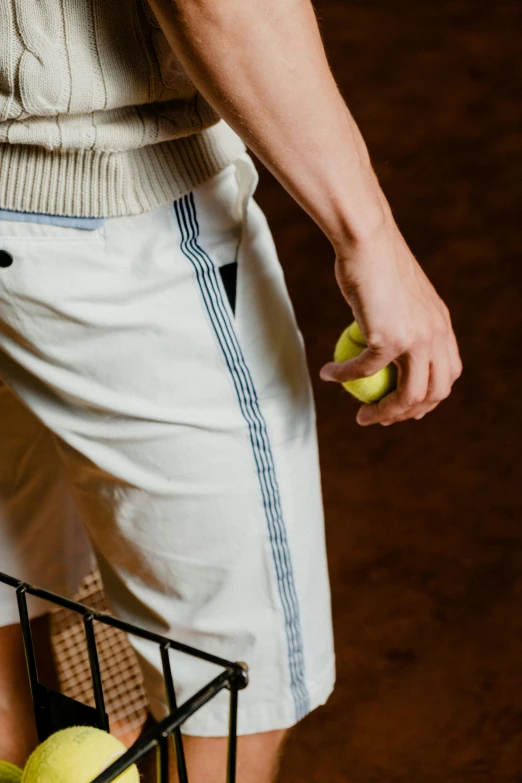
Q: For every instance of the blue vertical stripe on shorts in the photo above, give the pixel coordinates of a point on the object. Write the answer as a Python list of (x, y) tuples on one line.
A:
[(211, 289)]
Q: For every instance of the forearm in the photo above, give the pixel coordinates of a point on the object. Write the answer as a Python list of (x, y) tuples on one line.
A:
[(261, 64)]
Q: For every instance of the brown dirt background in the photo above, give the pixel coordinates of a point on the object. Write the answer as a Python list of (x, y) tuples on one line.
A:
[(423, 518)]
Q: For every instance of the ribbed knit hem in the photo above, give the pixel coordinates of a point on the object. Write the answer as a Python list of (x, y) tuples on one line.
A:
[(87, 183)]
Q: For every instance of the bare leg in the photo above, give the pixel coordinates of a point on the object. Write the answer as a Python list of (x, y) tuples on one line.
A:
[(257, 762), (17, 728)]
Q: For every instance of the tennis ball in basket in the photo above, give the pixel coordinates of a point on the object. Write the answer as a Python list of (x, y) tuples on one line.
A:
[(76, 755), (349, 345), (9, 773)]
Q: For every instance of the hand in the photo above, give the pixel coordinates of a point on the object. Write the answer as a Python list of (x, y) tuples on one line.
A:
[(403, 320)]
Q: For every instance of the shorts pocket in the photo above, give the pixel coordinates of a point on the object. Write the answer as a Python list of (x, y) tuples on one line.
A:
[(228, 274)]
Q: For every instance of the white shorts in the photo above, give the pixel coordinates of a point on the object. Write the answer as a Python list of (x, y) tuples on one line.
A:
[(156, 411)]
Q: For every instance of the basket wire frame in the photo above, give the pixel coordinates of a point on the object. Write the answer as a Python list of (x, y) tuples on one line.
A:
[(54, 710), (125, 697)]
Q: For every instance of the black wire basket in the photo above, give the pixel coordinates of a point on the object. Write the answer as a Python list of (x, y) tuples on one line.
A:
[(54, 710)]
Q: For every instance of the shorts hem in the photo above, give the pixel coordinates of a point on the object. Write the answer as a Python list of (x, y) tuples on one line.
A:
[(258, 718)]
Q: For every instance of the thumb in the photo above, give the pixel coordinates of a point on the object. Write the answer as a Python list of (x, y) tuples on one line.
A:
[(367, 363)]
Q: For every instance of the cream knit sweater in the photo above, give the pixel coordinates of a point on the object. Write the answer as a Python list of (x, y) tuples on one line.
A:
[(97, 117)]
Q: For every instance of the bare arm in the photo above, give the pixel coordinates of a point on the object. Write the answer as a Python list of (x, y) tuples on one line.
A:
[(261, 64)]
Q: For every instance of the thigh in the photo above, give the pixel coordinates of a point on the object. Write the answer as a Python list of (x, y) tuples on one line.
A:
[(40, 539), (258, 758), (174, 377)]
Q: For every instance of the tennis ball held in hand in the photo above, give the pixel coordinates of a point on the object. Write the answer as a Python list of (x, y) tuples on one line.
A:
[(76, 755), (350, 344)]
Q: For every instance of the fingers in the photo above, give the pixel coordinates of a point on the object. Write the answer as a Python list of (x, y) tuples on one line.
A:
[(423, 383), (412, 388), (454, 358), (370, 361)]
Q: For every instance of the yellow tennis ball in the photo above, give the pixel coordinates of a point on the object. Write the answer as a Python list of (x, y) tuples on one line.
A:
[(349, 345), (9, 773), (76, 755)]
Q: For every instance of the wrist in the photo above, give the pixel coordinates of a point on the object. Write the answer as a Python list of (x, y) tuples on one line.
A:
[(362, 226)]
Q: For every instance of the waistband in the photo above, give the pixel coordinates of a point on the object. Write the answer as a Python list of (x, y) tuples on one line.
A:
[(53, 220)]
